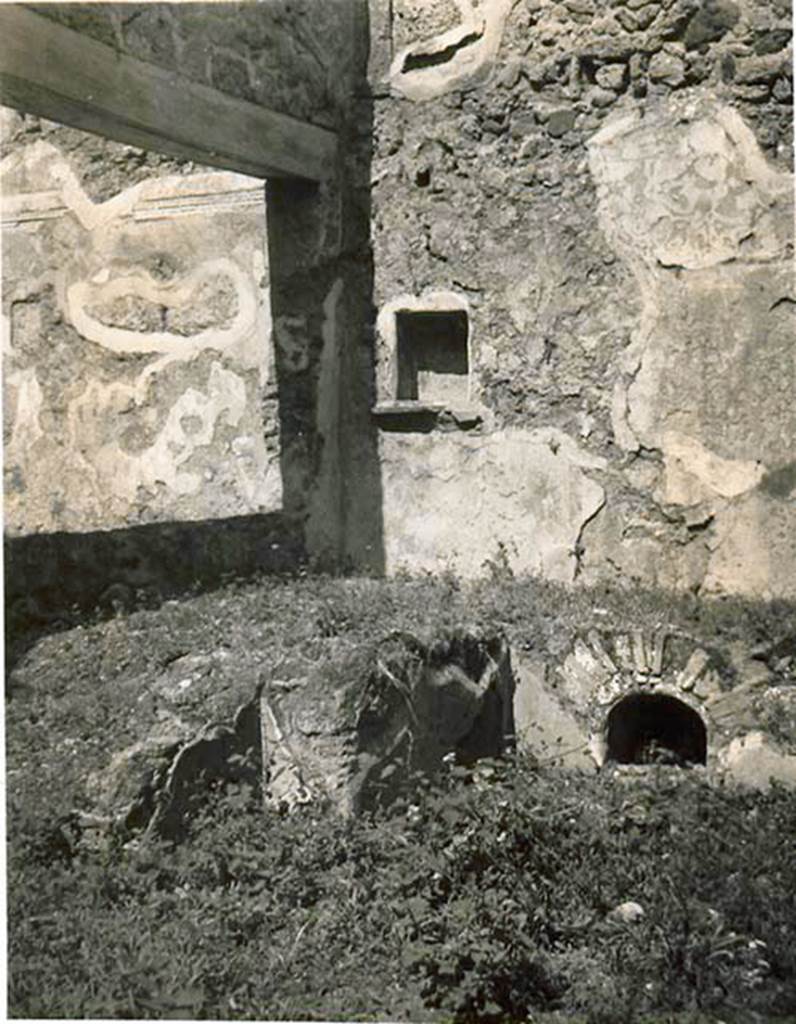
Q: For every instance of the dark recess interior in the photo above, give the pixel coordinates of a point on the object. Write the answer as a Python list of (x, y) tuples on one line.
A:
[(430, 342), (650, 728)]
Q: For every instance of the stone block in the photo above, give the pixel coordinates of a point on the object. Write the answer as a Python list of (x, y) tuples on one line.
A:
[(543, 727), (667, 68), (710, 22), (560, 121), (356, 742), (734, 711), (696, 665), (611, 76), (752, 760)]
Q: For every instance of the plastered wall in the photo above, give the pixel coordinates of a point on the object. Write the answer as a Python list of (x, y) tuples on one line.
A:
[(139, 377), (603, 188), (607, 188), (185, 375)]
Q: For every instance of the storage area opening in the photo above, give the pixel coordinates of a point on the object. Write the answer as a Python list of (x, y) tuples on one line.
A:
[(649, 728), (433, 365)]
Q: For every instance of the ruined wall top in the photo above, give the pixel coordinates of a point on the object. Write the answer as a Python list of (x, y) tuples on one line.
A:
[(298, 58)]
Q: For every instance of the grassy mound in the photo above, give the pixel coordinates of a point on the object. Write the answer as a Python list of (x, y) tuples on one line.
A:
[(484, 895)]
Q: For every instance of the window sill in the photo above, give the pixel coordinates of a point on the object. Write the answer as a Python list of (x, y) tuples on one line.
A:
[(413, 415)]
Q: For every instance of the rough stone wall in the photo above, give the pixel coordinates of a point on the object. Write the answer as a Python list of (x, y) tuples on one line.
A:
[(601, 188), (355, 737), (295, 56), (605, 187), (172, 355)]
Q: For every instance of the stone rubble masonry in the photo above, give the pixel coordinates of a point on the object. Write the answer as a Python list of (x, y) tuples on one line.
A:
[(607, 189), (745, 700)]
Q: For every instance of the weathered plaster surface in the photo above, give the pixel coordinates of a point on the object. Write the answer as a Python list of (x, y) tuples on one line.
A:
[(706, 224), (136, 336), (186, 333), (610, 194), (325, 510), (455, 500), (387, 335), (603, 185)]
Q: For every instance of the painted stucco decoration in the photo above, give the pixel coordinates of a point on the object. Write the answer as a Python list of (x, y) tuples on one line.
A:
[(457, 58), (136, 337), (96, 306), (682, 185)]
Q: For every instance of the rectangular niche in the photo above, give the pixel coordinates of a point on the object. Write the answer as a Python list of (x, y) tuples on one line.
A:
[(433, 366)]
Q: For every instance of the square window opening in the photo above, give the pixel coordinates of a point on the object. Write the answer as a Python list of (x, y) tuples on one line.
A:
[(433, 365)]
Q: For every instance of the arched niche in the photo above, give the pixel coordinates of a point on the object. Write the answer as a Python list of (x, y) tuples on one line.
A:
[(654, 728)]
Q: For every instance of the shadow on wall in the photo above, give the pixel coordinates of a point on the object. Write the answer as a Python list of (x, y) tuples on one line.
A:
[(52, 579), (321, 301), (321, 266)]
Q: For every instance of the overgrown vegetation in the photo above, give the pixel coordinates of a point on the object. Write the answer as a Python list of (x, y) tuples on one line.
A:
[(485, 896), (481, 895)]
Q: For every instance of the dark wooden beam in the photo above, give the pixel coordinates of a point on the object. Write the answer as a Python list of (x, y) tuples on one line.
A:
[(54, 72)]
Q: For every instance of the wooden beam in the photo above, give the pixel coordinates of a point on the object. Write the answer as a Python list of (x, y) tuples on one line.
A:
[(54, 72)]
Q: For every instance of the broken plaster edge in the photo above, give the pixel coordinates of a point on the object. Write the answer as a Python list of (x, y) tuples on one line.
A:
[(463, 67)]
